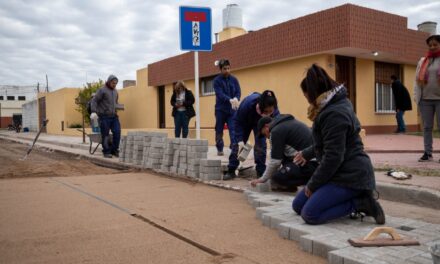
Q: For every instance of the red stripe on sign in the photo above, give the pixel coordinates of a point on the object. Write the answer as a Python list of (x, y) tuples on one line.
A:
[(195, 16)]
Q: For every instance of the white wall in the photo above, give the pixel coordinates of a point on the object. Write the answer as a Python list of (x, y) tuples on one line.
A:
[(30, 115)]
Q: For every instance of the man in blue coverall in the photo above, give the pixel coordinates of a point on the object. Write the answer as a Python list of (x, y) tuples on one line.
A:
[(227, 99)]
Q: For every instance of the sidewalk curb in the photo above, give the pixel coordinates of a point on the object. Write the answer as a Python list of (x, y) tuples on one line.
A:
[(413, 195)]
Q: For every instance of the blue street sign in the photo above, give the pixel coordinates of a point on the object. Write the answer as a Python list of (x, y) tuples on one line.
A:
[(195, 28)]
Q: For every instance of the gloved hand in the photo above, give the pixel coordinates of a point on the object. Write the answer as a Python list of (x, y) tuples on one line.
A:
[(240, 146), (94, 117), (235, 103)]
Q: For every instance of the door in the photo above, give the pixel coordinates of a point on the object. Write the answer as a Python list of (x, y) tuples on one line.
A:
[(346, 74), (42, 112), (161, 99)]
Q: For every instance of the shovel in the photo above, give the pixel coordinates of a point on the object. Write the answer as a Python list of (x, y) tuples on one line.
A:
[(35, 140)]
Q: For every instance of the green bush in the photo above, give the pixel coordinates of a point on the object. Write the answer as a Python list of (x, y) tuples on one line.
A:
[(84, 96)]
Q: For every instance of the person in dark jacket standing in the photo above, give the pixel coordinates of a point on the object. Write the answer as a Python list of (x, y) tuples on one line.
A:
[(182, 101), (344, 182), (245, 121), (287, 135), (403, 102), (227, 99), (104, 106)]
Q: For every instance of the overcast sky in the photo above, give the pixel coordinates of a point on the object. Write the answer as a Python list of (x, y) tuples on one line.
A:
[(74, 41)]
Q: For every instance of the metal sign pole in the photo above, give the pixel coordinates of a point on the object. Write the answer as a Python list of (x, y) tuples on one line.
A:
[(196, 80)]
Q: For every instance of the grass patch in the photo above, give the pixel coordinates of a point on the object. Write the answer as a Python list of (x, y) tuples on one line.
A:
[(413, 171)]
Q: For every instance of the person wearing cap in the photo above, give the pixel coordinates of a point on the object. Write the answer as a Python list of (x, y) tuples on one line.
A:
[(250, 111), (427, 92), (103, 106), (287, 135), (227, 98)]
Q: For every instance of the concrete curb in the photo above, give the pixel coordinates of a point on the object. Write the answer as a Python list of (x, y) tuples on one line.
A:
[(413, 195)]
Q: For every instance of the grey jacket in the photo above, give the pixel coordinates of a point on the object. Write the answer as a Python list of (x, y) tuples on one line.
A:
[(104, 102)]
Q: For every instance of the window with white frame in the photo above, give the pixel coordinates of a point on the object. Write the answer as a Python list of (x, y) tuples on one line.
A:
[(207, 86), (384, 99)]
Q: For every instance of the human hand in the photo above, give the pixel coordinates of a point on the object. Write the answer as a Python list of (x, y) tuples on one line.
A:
[(235, 103), (299, 159), (255, 182), (94, 117), (307, 192)]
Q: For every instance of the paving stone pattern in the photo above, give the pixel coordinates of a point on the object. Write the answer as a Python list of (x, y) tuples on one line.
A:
[(330, 240)]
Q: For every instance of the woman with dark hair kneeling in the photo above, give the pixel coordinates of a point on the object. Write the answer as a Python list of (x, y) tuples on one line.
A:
[(344, 182)]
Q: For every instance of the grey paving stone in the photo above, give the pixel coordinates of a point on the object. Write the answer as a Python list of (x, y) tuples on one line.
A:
[(262, 187), (210, 163), (210, 177), (199, 155)]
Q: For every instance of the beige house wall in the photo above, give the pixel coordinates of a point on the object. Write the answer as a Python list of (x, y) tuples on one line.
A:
[(61, 107)]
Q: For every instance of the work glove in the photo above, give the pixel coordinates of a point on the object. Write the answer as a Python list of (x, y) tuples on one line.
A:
[(94, 117), (236, 103)]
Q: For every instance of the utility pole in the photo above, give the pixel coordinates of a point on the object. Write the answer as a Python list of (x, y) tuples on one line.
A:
[(47, 84)]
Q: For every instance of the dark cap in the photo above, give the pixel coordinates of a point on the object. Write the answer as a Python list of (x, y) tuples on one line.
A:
[(261, 123)]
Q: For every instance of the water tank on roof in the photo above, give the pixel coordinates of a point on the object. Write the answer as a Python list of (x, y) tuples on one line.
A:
[(428, 27), (232, 16)]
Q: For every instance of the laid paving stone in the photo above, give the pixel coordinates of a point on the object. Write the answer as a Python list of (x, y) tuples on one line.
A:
[(331, 240)]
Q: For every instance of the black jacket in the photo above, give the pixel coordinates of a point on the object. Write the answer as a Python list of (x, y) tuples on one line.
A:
[(189, 101), (286, 130), (401, 96), (338, 148)]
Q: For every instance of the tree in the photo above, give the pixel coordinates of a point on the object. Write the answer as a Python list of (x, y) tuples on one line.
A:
[(84, 96)]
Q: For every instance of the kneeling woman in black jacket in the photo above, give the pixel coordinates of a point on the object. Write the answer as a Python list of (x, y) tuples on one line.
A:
[(344, 182), (183, 110)]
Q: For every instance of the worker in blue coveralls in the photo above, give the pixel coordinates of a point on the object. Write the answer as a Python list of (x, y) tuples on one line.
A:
[(227, 99), (251, 109)]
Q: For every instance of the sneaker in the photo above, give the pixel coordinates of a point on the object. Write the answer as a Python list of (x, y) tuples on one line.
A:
[(229, 175), (368, 206), (220, 153), (426, 157), (108, 155)]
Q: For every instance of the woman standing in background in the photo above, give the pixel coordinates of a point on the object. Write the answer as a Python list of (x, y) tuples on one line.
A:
[(183, 110)]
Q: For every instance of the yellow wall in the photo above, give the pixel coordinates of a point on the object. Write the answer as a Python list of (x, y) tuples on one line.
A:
[(365, 95), (60, 106), (230, 32), (140, 102)]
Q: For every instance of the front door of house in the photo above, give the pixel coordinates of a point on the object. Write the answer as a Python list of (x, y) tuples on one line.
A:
[(346, 74)]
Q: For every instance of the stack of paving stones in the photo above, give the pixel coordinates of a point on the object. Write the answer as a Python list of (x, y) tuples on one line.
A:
[(155, 150), (330, 240), (138, 147), (122, 146), (196, 150), (181, 166), (210, 170), (128, 151), (176, 156), (168, 155)]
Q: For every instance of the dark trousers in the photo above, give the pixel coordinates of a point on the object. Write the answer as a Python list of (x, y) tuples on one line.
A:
[(108, 124), (327, 203), (259, 151), (400, 122), (220, 119), (181, 122), (291, 175)]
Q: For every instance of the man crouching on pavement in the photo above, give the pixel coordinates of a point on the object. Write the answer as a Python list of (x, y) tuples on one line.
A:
[(104, 106), (287, 136)]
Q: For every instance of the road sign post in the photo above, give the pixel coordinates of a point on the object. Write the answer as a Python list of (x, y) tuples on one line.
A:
[(195, 35)]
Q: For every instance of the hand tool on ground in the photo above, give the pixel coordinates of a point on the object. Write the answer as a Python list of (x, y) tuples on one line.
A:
[(372, 239)]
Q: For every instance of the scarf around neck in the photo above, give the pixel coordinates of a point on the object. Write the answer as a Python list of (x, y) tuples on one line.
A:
[(322, 101), (423, 76)]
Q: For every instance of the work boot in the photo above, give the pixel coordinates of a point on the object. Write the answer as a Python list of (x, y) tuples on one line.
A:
[(368, 206), (115, 153), (426, 157), (107, 155), (220, 153), (229, 175)]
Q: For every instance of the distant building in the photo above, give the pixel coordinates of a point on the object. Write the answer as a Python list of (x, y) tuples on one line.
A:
[(128, 83), (12, 97)]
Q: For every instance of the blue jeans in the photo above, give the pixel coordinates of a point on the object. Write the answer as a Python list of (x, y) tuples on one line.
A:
[(259, 151), (327, 203), (400, 122), (181, 122), (108, 124), (220, 119)]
